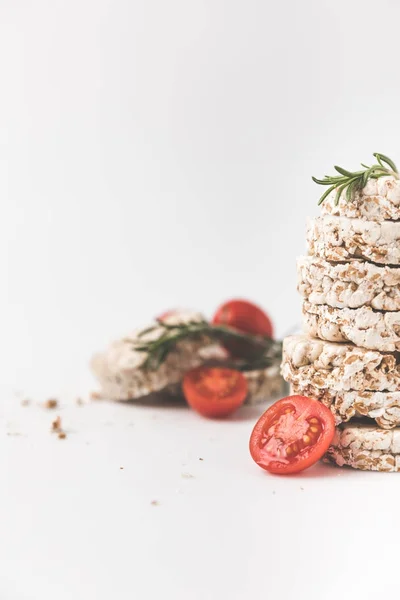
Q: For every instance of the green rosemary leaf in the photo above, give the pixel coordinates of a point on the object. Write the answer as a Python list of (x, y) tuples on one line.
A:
[(349, 191), (382, 158), (321, 181), (328, 191), (146, 331), (340, 189), (357, 180), (343, 171), (266, 350)]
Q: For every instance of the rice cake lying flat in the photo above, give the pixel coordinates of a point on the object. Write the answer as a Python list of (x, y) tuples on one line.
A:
[(366, 447), (264, 384), (122, 375), (362, 326), (348, 285), (340, 239), (383, 407), (338, 367), (378, 201), (121, 368)]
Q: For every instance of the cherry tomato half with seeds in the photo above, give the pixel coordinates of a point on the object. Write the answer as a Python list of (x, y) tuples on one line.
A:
[(245, 317), (214, 391), (293, 434)]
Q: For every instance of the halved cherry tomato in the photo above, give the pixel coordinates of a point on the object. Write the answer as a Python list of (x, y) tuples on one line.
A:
[(293, 434), (246, 317), (214, 391)]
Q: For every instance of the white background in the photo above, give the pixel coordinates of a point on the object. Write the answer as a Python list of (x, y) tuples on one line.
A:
[(155, 154)]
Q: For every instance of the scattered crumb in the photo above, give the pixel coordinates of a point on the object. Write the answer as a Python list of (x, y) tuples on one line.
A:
[(274, 492), (187, 476), (201, 458), (14, 433), (25, 402), (57, 428), (121, 468), (80, 402), (302, 489), (56, 425), (155, 503), (51, 403), (96, 396)]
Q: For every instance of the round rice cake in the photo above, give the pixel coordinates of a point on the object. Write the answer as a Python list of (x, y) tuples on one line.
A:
[(382, 407), (378, 201), (338, 367), (366, 447), (121, 370), (340, 239), (362, 326), (348, 285), (123, 376), (264, 384)]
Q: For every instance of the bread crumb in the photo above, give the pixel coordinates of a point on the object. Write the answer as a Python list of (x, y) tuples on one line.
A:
[(56, 425), (121, 468), (201, 458), (155, 503), (96, 396), (80, 402), (56, 428), (51, 403), (187, 476), (25, 402)]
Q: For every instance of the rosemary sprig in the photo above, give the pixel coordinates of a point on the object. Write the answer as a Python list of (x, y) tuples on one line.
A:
[(268, 351), (355, 181)]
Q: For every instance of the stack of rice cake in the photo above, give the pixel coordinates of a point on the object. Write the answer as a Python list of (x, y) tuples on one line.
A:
[(349, 356)]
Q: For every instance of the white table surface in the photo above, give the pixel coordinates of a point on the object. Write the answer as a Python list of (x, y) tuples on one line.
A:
[(124, 508)]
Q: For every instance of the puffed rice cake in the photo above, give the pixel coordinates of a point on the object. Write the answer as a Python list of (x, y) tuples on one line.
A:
[(366, 447)]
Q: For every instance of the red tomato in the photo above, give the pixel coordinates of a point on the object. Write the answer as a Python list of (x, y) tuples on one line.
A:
[(214, 391), (244, 316), (293, 434), (247, 318)]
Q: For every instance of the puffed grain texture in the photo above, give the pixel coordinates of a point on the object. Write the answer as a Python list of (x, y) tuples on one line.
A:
[(338, 367), (351, 284), (341, 238), (378, 201), (362, 326), (382, 407), (120, 369), (366, 447)]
